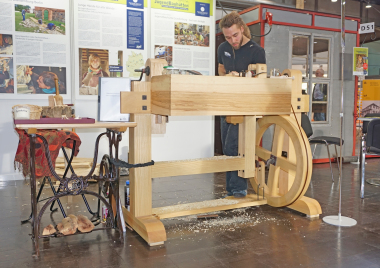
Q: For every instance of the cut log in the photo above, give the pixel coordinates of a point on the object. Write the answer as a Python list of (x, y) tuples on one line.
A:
[(48, 230), (84, 224)]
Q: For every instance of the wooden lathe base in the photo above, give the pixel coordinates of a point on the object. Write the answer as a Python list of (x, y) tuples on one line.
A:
[(151, 229)]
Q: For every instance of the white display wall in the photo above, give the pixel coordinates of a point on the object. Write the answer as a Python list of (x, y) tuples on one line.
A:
[(99, 27)]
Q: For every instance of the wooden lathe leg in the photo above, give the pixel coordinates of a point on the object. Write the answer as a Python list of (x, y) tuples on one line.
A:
[(306, 205), (149, 228), (140, 215)]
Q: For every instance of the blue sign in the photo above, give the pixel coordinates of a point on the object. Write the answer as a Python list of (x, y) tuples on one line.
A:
[(115, 68), (202, 9), (135, 29), (135, 3)]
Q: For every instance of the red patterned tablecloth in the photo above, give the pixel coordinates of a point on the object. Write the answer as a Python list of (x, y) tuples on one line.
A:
[(55, 138)]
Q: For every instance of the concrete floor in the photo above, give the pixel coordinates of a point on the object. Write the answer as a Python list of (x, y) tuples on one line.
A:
[(254, 237)]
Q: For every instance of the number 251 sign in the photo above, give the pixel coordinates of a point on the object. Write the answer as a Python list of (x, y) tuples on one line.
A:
[(367, 28)]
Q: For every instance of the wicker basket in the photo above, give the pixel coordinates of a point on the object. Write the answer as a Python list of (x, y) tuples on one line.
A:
[(34, 111)]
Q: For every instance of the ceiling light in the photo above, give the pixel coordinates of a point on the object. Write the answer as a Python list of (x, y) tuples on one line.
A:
[(368, 5), (334, 0)]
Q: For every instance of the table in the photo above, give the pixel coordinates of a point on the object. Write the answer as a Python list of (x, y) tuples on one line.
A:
[(77, 185)]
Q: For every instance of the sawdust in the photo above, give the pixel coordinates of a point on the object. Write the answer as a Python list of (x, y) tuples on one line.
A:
[(240, 218)]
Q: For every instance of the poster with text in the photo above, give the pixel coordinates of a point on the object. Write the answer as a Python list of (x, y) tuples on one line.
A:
[(180, 34), (109, 38), (360, 61), (370, 97), (34, 48)]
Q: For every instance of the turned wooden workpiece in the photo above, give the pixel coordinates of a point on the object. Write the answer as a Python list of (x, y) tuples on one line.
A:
[(253, 103)]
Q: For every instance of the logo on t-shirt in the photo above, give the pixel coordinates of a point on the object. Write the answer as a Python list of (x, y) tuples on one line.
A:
[(227, 54)]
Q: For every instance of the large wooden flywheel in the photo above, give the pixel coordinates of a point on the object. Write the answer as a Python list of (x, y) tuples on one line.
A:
[(289, 176)]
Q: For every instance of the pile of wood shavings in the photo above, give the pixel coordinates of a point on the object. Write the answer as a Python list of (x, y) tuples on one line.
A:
[(242, 218)]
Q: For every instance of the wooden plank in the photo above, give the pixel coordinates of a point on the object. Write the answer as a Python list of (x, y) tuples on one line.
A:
[(140, 152), (238, 119), (208, 206), (60, 126), (156, 67), (262, 153), (158, 124), (135, 102), (247, 144), (300, 103), (209, 95), (197, 166)]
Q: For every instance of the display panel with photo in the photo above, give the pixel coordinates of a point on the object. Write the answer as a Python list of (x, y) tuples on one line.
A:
[(191, 34), (93, 63), (40, 79), (6, 44), (164, 52), (37, 19), (6, 75)]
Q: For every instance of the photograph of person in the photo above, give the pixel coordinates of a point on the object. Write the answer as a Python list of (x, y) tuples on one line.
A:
[(6, 75), (39, 19), (191, 34), (94, 63), (164, 52), (6, 44), (319, 94), (40, 79), (359, 61)]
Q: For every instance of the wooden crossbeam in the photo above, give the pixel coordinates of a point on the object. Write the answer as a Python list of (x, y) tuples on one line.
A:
[(208, 206), (197, 166)]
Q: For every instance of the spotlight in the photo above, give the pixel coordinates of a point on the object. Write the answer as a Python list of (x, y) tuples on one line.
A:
[(368, 5)]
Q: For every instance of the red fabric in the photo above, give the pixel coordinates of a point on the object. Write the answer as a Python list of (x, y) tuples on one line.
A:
[(55, 138)]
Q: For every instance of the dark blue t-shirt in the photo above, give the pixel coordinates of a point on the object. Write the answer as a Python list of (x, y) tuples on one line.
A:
[(238, 60)]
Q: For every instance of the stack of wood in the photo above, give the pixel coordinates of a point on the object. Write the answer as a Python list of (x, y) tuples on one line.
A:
[(70, 225), (81, 166)]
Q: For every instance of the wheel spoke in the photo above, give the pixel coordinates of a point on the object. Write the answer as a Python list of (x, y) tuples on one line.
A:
[(286, 165), (278, 140), (289, 177), (262, 153), (273, 176)]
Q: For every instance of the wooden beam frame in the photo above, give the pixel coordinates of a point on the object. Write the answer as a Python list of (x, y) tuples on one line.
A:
[(167, 94)]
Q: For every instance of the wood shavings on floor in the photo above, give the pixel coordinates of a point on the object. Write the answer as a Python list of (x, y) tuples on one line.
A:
[(228, 221)]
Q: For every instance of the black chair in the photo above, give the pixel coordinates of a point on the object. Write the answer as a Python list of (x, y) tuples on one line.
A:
[(365, 123), (326, 140), (370, 144)]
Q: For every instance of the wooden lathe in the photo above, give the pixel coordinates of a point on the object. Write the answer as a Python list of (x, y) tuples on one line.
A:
[(255, 104)]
